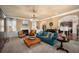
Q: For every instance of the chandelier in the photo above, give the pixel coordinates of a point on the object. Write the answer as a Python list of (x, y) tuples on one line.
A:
[(34, 14)]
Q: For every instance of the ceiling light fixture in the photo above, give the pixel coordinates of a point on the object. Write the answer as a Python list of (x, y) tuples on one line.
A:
[(34, 14)]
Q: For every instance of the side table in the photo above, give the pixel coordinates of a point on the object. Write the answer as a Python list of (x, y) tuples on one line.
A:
[(61, 45)]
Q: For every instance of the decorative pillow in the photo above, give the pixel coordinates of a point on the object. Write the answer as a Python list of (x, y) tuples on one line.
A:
[(32, 33), (40, 33), (21, 34), (47, 34), (52, 34)]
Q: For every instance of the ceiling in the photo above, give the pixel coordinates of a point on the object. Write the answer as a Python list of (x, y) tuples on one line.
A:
[(42, 11)]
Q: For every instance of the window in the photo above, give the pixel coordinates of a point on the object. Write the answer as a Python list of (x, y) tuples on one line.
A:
[(25, 24), (11, 25), (34, 24), (1, 25)]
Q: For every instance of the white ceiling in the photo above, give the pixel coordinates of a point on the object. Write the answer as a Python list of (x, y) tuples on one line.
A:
[(43, 11)]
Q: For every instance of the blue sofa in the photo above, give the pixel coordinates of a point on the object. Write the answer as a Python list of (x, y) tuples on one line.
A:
[(46, 37)]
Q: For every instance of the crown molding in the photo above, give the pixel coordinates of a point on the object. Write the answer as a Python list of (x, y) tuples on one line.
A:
[(59, 15)]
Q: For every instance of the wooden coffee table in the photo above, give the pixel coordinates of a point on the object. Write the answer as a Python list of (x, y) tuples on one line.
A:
[(29, 42)]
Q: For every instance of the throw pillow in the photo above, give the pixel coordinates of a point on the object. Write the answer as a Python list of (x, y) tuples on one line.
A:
[(32, 32), (52, 34), (40, 33), (47, 35)]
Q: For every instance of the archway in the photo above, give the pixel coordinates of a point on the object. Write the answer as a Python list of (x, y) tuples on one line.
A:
[(74, 20)]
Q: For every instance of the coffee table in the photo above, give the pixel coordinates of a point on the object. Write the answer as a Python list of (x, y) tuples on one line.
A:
[(29, 42)]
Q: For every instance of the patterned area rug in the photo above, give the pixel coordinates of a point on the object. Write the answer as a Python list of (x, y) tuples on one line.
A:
[(16, 45)]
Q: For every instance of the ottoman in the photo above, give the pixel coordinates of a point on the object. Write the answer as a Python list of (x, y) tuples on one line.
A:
[(29, 42)]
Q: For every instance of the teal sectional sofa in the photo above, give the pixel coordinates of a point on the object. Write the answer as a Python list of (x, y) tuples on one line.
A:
[(48, 37)]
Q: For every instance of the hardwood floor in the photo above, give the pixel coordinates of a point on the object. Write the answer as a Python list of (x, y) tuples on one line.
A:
[(2, 42), (16, 45)]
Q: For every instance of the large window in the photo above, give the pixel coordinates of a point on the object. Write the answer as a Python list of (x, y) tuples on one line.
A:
[(11, 25), (25, 24), (1, 25), (34, 24)]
